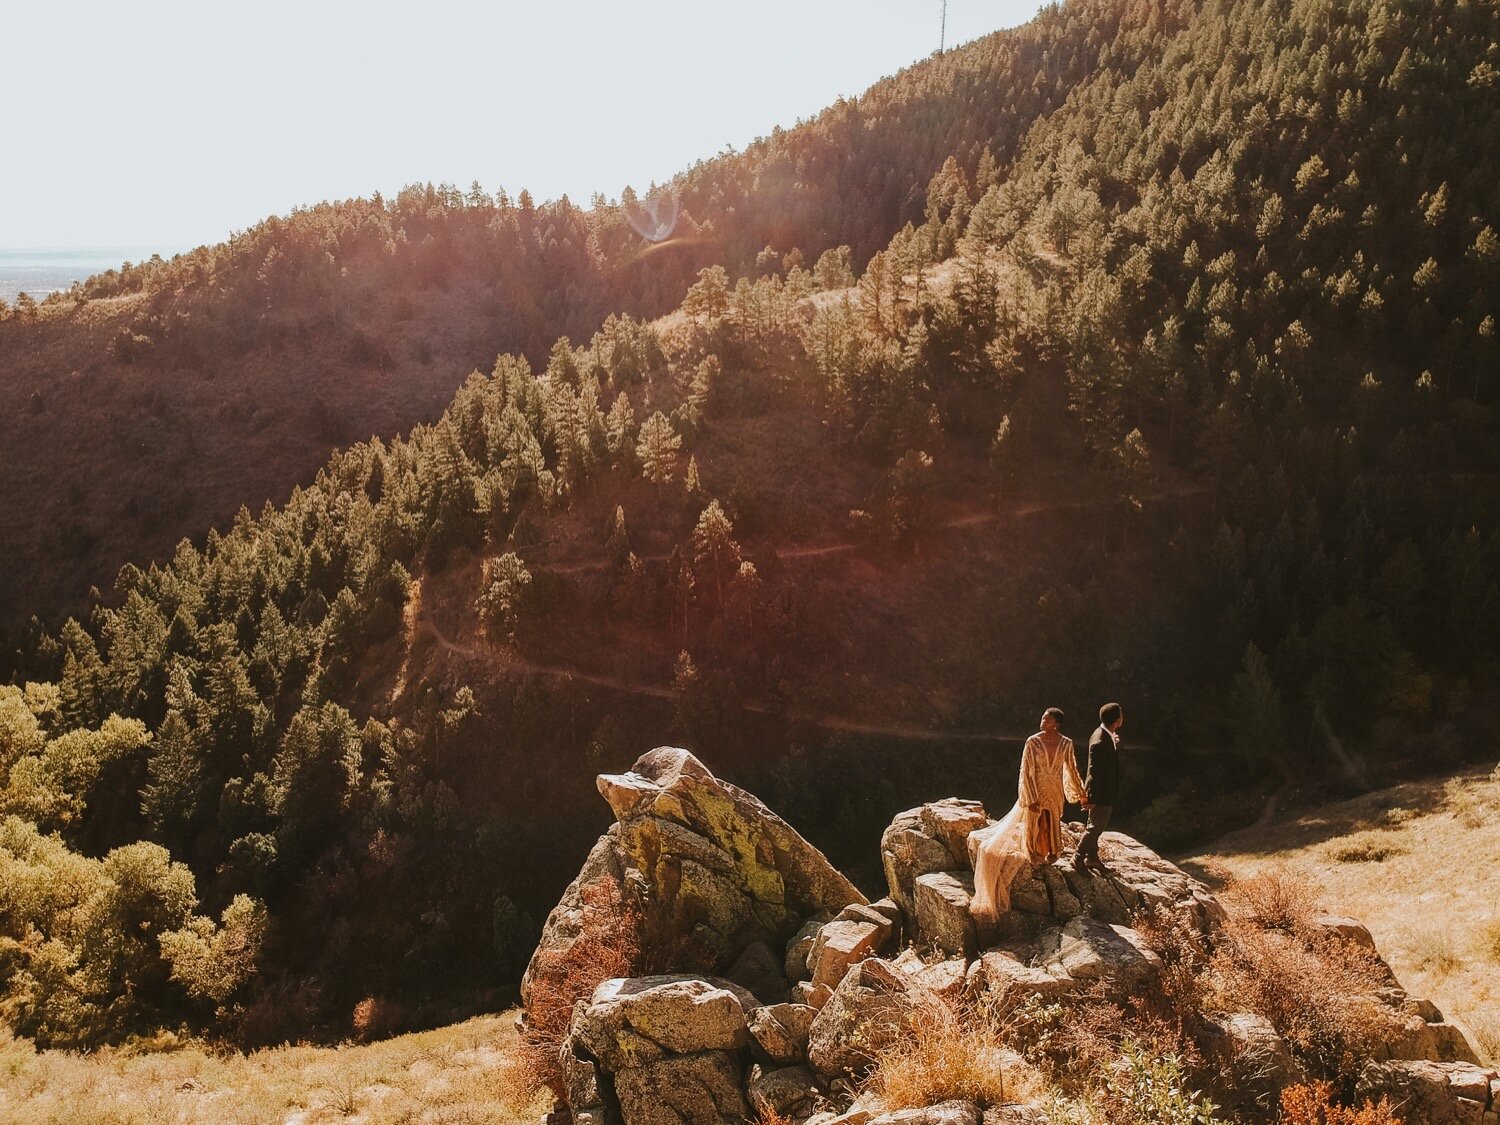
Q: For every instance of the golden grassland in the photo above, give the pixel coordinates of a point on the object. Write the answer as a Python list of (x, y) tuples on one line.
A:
[(466, 1074), (1419, 864)]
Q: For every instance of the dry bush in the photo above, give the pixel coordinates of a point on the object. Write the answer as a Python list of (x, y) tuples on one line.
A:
[(952, 1051), (1432, 950), (1273, 900), (1488, 940), (1367, 847), (1485, 1026), (1463, 800), (608, 946), (375, 1017), (1322, 995), (1313, 1104)]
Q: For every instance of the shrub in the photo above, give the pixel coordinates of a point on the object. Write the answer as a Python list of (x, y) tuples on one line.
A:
[(608, 946), (375, 1017), (1489, 940), (1273, 900), (1152, 1089), (951, 1052), (1313, 1104)]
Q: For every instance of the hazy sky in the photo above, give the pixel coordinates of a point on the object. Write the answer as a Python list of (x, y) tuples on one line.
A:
[(159, 123)]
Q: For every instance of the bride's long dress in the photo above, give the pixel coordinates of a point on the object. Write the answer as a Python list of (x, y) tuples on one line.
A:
[(1031, 832)]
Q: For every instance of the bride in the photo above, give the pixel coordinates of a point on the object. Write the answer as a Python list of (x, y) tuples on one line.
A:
[(1031, 833)]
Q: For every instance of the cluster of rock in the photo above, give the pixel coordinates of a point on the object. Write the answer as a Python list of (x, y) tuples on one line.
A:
[(781, 984)]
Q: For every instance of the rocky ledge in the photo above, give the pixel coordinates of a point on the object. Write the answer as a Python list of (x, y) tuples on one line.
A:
[(776, 984)]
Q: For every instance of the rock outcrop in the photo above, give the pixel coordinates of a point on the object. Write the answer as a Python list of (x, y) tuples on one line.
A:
[(787, 985), (712, 879)]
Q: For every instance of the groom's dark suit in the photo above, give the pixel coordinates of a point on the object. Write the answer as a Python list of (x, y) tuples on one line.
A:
[(1102, 786)]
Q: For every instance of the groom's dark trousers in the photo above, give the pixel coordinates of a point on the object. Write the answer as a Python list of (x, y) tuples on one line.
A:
[(1102, 784)]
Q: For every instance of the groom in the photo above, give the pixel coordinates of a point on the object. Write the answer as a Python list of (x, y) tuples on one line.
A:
[(1102, 785)]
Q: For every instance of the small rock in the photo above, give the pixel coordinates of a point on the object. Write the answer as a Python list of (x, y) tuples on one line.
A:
[(1017, 1114), (1258, 1054), (1345, 929), (1011, 979), (946, 978), (812, 995), (801, 945), (840, 945), (791, 1091), (758, 969), (779, 1032), (1089, 950), (1428, 1092)]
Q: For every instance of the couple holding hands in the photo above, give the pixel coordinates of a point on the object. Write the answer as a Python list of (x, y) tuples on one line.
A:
[(1031, 833)]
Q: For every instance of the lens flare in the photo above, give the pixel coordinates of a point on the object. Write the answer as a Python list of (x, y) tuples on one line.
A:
[(655, 217)]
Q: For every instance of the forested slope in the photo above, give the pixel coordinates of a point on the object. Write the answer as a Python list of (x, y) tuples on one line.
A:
[(150, 402), (1189, 405)]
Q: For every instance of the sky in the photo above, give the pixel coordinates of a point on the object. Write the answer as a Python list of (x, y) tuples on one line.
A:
[(159, 123)]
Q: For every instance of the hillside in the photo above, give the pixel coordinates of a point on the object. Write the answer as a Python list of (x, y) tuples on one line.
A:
[(1419, 863), (1185, 405), (152, 402)]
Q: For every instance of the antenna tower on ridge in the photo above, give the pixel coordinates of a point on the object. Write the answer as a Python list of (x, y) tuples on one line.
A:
[(943, 35)]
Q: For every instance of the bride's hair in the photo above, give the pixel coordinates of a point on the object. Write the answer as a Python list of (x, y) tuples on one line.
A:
[(1055, 713)]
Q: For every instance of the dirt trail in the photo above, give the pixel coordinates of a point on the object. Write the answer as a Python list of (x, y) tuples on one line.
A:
[(969, 519), (656, 691)]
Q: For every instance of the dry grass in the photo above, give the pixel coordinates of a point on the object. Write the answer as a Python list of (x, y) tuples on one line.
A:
[(953, 1051), (1432, 903), (1367, 847), (467, 1074)]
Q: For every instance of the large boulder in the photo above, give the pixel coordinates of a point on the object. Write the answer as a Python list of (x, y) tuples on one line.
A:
[(874, 1006), (1088, 950), (658, 1051), (1253, 1051), (698, 1089), (628, 1022), (698, 869), (908, 849), (943, 922)]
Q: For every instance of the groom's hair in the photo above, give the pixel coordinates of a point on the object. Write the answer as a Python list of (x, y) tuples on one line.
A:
[(1110, 714), (1055, 713)]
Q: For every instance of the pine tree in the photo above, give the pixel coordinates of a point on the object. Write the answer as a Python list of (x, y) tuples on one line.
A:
[(619, 430), (657, 449), (716, 555)]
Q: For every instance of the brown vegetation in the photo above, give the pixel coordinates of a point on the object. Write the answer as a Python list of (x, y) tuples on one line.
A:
[(1313, 1104), (609, 946)]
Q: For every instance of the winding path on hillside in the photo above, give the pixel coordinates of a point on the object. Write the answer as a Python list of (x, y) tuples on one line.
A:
[(516, 663), (969, 519)]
